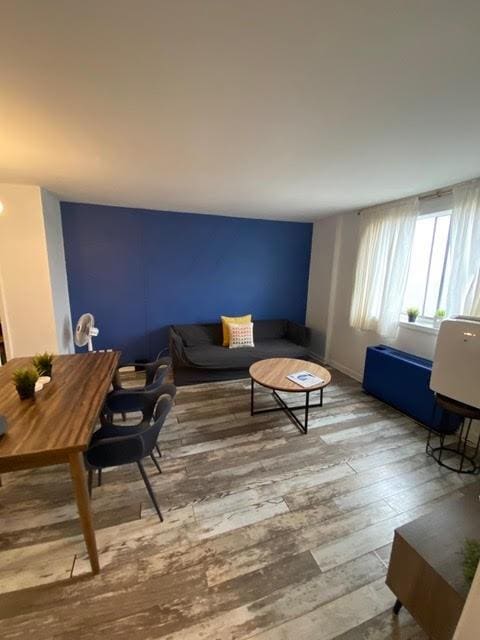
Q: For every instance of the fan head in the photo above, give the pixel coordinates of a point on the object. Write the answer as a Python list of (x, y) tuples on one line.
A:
[(83, 330)]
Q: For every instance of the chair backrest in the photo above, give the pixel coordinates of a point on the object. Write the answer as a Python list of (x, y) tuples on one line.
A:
[(150, 433), (123, 449), (168, 389), (150, 399), (158, 378), (130, 400), (156, 369), (152, 406)]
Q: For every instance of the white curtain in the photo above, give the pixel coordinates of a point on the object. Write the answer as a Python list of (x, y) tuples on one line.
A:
[(386, 238), (463, 259)]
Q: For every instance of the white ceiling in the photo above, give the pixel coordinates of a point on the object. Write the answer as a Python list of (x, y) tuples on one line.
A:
[(288, 109)]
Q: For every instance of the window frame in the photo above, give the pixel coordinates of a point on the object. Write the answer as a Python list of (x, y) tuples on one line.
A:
[(425, 322)]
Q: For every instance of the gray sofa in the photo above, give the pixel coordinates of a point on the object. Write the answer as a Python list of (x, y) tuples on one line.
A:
[(198, 355)]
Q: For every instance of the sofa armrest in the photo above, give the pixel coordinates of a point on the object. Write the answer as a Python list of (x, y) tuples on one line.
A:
[(298, 334), (177, 350)]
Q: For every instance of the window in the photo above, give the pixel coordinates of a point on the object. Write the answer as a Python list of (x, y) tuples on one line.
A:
[(426, 283)]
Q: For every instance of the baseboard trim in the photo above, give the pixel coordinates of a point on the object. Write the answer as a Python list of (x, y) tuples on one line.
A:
[(356, 375), (316, 358), (336, 365)]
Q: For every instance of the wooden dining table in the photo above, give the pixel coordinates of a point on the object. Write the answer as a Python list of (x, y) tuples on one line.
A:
[(56, 426)]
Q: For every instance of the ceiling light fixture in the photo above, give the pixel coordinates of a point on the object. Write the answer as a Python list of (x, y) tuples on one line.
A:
[(1, 207)]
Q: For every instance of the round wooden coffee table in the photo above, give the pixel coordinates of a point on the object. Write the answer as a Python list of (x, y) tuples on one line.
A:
[(272, 374)]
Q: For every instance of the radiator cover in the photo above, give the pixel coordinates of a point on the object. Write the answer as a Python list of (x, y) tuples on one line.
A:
[(402, 380)]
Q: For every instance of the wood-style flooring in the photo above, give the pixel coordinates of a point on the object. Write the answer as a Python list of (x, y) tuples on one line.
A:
[(268, 533)]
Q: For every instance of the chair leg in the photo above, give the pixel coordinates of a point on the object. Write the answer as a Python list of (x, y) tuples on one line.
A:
[(99, 478), (150, 490), (90, 482), (155, 462), (158, 450)]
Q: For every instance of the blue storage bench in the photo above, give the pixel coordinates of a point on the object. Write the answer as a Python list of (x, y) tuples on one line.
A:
[(402, 380)]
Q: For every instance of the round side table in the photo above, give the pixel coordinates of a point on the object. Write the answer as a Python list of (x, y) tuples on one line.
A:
[(466, 454)]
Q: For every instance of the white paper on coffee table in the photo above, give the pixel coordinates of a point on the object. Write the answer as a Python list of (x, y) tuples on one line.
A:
[(305, 379)]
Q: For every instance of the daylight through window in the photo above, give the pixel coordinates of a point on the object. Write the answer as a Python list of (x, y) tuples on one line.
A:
[(426, 284)]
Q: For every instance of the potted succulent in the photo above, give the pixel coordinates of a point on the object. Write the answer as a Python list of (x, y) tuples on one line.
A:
[(24, 380), (43, 363), (439, 316), (471, 557), (412, 313)]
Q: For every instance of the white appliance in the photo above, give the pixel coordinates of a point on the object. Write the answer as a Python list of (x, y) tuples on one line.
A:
[(456, 364), (85, 330)]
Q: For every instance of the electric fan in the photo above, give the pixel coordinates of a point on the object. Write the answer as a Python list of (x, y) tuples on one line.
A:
[(85, 330)]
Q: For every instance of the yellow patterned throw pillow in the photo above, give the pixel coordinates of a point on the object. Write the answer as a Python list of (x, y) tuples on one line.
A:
[(225, 322), (241, 335)]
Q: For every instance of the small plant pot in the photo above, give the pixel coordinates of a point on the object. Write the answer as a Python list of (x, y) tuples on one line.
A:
[(412, 318), (43, 363), (41, 383), (26, 394)]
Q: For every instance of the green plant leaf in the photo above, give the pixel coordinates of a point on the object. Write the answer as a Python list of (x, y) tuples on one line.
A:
[(24, 380), (43, 363), (471, 557)]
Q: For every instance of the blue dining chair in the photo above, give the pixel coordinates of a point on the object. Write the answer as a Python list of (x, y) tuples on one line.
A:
[(127, 448), (150, 369), (145, 401), (126, 400)]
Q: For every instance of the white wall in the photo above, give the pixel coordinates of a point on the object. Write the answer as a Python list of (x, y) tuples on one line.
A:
[(319, 284), (58, 272), (29, 312)]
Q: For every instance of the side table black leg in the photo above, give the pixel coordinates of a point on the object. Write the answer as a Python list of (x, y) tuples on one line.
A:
[(251, 396), (465, 442), (396, 607), (307, 402)]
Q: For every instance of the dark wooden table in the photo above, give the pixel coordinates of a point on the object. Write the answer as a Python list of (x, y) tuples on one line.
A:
[(425, 571), (56, 426)]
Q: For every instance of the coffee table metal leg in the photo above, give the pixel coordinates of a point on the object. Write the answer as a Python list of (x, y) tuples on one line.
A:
[(251, 397), (284, 406), (307, 403)]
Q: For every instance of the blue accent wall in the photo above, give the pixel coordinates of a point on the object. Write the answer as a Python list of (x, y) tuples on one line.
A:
[(138, 271)]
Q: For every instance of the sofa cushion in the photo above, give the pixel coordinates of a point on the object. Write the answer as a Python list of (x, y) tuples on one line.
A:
[(194, 335), (214, 356), (227, 320), (269, 329), (240, 335)]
